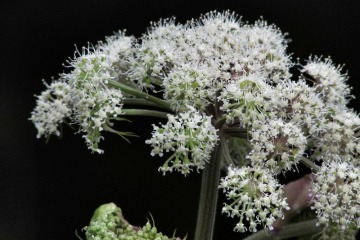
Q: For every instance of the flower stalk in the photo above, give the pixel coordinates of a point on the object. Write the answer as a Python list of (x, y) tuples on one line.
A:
[(144, 113)]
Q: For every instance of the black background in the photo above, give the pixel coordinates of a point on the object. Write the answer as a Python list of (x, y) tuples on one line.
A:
[(47, 191)]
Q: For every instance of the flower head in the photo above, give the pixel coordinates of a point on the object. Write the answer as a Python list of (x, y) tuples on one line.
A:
[(189, 136), (336, 193), (328, 80), (94, 103), (52, 107), (256, 197), (83, 94), (277, 144)]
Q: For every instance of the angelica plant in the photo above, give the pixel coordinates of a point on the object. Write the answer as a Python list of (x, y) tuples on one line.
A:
[(230, 103)]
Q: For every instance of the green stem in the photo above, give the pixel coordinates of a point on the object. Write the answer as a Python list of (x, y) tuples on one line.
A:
[(156, 81), (144, 112), (235, 132), (208, 197), (161, 103), (139, 101), (300, 229), (219, 123), (226, 152), (310, 164)]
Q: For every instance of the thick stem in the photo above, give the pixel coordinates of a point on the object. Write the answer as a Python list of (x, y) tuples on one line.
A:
[(235, 132), (219, 123), (288, 231), (208, 197)]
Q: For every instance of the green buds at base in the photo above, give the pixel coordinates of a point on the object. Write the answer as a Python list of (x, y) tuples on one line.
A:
[(108, 223)]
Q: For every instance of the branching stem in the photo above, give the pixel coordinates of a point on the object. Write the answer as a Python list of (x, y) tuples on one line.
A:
[(161, 103)]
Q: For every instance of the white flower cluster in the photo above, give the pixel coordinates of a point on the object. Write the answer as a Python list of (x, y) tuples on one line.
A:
[(52, 107), (276, 143), (83, 94), (190, 136), (154, 55), (245, 98), (333, 232), (188, 86), (256, 195), (300, 103), (94, 103), (341, 137), (336, 144), (328, 80), (337, 194), (197, 59), (222, 78)]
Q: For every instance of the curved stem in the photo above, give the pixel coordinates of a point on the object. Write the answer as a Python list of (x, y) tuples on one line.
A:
[(144, 112), (161, 103), (288, 231), (205, 222)]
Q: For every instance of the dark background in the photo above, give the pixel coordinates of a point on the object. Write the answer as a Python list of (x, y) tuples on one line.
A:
[(47, 191)]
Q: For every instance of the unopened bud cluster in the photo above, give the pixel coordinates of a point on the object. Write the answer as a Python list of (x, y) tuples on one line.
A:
[(108, 223)]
